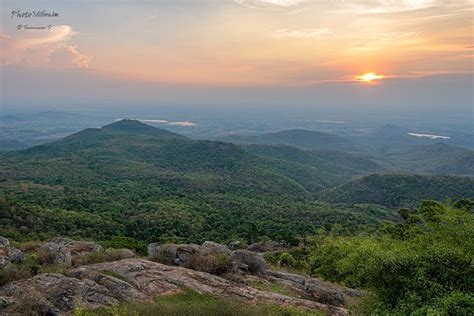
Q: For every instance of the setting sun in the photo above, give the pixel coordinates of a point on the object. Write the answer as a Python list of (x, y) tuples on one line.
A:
[(369, 77)]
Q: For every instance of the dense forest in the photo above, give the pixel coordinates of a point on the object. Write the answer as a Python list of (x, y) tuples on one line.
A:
[(131, 179)]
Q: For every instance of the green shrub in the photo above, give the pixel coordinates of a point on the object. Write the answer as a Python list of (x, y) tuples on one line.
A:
[(119, 242), (13, 272), (210, 261), (17, 271), (424, 263)]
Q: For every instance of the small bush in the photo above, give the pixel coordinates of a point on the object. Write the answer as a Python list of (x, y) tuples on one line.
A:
[(211, 262), (46, 257), (13, 272), (32, 303), (119, 242), (17, 271), (287, 260)]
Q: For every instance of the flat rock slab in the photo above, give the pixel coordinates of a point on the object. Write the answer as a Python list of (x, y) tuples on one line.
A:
[(105, 284)]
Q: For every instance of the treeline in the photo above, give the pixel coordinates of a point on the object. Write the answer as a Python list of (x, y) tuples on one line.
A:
[(220, 218)]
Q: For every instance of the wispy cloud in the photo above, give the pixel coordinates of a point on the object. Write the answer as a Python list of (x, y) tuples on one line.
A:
[(38, 48), (389, 6), (302, 33), (263, 3)]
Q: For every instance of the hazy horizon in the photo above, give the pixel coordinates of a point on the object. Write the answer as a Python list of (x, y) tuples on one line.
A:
[(289, 56)]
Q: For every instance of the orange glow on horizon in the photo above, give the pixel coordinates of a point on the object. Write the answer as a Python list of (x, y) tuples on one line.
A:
[(369, 77)]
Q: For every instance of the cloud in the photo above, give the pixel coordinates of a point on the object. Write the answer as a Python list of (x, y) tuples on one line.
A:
[(374, 7), (43, 48), (266, 3), (301, 34), (390, 6), (67, 56)]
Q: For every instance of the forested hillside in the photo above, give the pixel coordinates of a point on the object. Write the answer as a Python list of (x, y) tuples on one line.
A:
[(299, 138), (437, 158), (396, 190), (131, 179)]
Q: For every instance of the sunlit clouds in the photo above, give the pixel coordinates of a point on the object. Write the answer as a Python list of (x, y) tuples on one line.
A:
[(43, 48), (368, 77), (302, 34), (281, 3), (251, 42)]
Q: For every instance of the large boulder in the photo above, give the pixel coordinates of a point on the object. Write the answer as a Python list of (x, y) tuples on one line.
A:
[(211, 257), (4, 242), (64, 251), (172, 254), (56, 294), (9, 254), (3, 261), (6, 301), (153, 251), (77, 247), (15, 255), (248, 262), (318, 290), (325, 293), (217, 247), (55, 253), (119, 254)]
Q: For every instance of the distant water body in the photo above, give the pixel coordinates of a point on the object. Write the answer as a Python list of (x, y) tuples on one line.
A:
[(181, 123), (430, 136)]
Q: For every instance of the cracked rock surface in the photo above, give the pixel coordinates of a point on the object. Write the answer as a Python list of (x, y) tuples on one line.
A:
[(135, 280)]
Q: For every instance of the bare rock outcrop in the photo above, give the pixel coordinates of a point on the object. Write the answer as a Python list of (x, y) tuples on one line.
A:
[(56, 294), (210, 257), (55, 253), (248, 262), (6, 301), (3, 261), (4, 242), (321, 291), (122, 253), (105, 284), (217, 247), (15, 255), (63, 251), (9, 253)]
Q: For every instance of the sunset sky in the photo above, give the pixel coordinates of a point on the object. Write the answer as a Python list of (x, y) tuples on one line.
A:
[(210, 51)]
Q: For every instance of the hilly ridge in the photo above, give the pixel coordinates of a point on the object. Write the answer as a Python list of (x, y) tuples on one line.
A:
[(397, 190), (131, 179), (299, 138), (438, 158), (334, 167)]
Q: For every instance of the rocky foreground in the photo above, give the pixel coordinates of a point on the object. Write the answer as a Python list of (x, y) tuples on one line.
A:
[(140, 280)]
